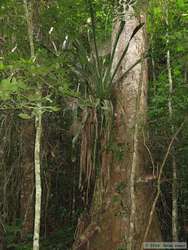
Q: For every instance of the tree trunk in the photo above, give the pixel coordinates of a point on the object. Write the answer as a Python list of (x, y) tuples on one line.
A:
[(38, 126), (173, 159), (27, 173), (38, 188), (2, 236), (120, 218), (174, 202), (28, 132)]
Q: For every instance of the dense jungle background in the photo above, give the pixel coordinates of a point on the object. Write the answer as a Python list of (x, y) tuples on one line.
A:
[(93, 124)]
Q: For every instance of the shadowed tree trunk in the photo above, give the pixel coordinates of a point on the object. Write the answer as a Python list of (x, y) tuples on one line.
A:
[(29, 8), (121, 203), (27, 172), (29, 141), (2, 237), (170, 109), (28, 135)]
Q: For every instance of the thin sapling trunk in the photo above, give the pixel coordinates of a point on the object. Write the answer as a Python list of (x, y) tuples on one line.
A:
[(38, 127)]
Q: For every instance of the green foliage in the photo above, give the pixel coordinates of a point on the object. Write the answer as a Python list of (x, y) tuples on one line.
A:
[(24, 116), (98, 79), (120, 187), (59, 240), (59, 72), (117, 150), (13, 233), (95, 71), (122, 247), (10, 87), (161, 123)]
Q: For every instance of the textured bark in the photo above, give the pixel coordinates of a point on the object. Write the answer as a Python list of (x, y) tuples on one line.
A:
[(27, 172), (122, 214), (38, 189), (38, 126), (28, 132), (174, 202), (2, 237)]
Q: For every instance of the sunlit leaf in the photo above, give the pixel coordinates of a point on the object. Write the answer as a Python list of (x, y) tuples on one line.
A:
[(24, 116)]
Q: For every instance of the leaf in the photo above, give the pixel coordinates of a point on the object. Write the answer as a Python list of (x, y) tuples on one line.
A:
[(128, 70), (108, 70), (180, 3), (2, 66), (94, 33), (24, 116), (34, 97), (126, 49), (12, 86), (55, 109), (157, 11), (5, 96)]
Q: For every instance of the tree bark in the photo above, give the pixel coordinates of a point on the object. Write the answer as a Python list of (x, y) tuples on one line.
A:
[(2, 236), (121, 216), (38, 126), (38, 188), (173, 159), (27, 173), (27, 166)]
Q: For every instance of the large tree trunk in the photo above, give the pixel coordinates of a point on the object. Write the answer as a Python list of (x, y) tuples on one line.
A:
[(120, 218)]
